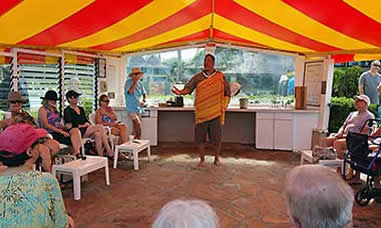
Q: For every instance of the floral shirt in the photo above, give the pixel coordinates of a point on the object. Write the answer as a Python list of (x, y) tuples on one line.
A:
[(31, 199)]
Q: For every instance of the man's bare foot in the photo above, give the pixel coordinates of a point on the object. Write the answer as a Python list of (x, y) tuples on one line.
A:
[(217, 163), (201, 164)]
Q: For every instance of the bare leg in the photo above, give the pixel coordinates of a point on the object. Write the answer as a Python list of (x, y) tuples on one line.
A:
[(44, 152), (122, 133), (201, 148), (53, 146), (105, 139), (217, 152), (137, 128), (328, 141), (75, 137), (94, 133)]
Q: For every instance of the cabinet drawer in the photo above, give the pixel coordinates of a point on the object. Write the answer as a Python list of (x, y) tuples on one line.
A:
[(265, 115), (284, 116)]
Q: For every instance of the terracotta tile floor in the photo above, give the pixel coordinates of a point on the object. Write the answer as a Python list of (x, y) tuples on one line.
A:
[(245, 192)]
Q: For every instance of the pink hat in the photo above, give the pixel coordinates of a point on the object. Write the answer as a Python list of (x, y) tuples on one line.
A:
[(19, 137)]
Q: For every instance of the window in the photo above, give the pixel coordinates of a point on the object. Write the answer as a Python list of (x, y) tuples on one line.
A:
[(37, 74), (81, 78), (265, 78)]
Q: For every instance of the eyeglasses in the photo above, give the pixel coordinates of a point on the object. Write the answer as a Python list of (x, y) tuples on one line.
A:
[(73, 97), (106, 101), (15, 102)]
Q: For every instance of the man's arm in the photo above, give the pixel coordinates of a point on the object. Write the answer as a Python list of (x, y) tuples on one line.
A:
[(180, 91), (188, 88), (227, 90), (361, 89), (340, 133), (361, 84), (135, 81)]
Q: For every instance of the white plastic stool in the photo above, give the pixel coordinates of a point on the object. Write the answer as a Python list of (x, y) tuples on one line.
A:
[(133, 148), (306, 155)]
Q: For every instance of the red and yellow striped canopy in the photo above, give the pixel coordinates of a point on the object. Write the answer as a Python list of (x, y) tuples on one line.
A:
[(351, 29)]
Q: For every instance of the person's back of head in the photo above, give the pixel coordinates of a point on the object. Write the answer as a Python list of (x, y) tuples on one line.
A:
[(318, 197), (186, 214)]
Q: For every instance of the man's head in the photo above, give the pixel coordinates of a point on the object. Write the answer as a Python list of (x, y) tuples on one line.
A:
[(187, 214), (375, 66), (317, 196), (362, 102), (209, 62), (135, 72)]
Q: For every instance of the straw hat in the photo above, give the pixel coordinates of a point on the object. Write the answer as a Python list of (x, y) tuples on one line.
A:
[(15, 96), (135, 71)]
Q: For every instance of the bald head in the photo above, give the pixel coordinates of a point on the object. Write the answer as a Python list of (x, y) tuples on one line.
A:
[(318, 197)]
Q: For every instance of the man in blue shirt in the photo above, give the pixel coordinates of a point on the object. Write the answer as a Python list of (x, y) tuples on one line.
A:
[(134, 92)]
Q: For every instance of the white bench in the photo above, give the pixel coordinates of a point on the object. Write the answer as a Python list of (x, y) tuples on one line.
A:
[(79, 168), (134, 148)]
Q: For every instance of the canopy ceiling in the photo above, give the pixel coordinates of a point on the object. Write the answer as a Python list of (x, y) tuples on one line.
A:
[(307, 27)]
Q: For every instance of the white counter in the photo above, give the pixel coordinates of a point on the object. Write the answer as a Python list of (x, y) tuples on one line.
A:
[(231, 109), (265, 127)]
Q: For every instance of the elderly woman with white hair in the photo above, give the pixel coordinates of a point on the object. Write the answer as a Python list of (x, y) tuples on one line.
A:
[(186, 214), (317, 197)]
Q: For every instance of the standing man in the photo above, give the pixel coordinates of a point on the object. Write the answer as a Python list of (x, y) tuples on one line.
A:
[(134, 92), (369, 83), (212, 98)]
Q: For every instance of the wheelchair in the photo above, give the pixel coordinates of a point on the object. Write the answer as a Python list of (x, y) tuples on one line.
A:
[(364, 160)]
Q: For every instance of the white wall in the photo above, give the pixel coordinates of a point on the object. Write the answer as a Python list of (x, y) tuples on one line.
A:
[(115, 79)]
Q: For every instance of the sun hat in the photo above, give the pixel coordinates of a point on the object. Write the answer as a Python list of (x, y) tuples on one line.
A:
[(50, 95), (135, 71)]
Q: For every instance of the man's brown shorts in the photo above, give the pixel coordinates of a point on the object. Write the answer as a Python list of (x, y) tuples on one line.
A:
[(212, 128)]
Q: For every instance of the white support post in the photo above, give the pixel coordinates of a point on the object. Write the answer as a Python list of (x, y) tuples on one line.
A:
[(62, 84), (325, 99), (15, 71), (299, 70)]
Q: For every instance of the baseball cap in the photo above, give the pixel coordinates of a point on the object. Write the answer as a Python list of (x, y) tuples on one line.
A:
[(363, 98), (17, 138), (72, 93)]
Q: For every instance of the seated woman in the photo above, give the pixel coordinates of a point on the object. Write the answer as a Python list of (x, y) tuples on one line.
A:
[(15, 102), (29, 198), (74, 117), (49, 119), (107, 117)]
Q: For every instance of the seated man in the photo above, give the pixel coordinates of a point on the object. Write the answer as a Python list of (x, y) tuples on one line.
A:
[(354, 123), (317, 197)]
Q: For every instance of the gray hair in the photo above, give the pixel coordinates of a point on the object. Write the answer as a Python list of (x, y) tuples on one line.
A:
[(318, 197), (186, 214), (375, 62)]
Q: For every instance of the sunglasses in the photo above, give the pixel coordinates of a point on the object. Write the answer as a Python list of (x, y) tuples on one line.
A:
[(376, 65), (15, 102), (73, 97), (107, 101)]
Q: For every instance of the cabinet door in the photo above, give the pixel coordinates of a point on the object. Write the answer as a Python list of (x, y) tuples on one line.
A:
[(264, 134), (283, 134), (149, 130)]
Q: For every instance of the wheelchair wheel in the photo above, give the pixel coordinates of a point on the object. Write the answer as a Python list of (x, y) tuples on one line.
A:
[(363, 197)]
